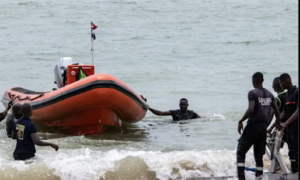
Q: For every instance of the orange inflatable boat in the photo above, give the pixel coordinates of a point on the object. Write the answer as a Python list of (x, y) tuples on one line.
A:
[(84, 103)]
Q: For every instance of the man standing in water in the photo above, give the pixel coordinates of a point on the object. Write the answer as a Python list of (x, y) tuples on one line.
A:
[(25, 133), (10, 122), (261, 101), (290, 111), (181, 114)]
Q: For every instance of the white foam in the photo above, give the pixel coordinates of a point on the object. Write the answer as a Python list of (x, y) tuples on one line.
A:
[(85, 164), (93, 163), (217, 117)]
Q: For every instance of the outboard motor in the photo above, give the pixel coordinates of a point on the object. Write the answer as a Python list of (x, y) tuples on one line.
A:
[(60, 71)]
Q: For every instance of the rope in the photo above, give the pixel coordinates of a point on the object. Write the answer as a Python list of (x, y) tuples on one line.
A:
[(13, 98)]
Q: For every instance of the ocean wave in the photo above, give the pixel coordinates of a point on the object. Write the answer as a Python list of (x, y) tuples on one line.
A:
[(86, 164)]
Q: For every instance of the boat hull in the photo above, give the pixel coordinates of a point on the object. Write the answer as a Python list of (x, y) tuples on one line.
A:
[(88, 106)]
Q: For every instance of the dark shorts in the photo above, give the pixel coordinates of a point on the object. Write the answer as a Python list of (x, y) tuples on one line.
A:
[(24, 156)]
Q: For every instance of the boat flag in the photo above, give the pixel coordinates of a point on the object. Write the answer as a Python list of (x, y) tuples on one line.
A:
[(93, 26), (93, 38)]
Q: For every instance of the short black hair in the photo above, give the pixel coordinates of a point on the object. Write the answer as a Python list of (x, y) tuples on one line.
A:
[(284, 76), (183, 99), (26, 109), (276, 80), (16, 108), (258, 76)]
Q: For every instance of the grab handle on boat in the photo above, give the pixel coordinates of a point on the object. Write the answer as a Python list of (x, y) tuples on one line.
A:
[(82, 67), (145, 99), (26, 98)]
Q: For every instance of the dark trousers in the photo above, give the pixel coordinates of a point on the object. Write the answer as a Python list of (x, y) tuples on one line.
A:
[(23, 156), (284, 138), (254, 134), (292, 141)]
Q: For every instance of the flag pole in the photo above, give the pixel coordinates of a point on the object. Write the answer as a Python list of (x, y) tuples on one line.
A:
[(93, 37), (92, 41)]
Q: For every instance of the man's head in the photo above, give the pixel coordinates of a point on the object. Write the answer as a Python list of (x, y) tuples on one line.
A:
[(26, 110), (285, 81), (17, 111), (257, 79), (276, 85), (183, 104)]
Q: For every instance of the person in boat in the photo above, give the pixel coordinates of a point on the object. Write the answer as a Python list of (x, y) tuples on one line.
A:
[(16, 114), (280, 99), (290, 112), (261, 101), (25, 133), (180, 114), (4, 113)]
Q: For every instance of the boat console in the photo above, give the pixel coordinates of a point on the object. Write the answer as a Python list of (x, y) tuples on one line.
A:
[(66, 71)]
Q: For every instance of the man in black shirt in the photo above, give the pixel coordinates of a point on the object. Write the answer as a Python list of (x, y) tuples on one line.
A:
[(261, 101), (16, 114), (26, 134), (180, 114), (290, 111)]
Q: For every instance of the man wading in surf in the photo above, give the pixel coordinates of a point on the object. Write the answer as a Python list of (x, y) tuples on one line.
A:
[(259, 113), (10, 122), (25, 133), (181, 114)]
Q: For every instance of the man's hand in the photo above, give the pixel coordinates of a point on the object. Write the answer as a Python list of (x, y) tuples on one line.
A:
[(10, 104), (3, 113), (54, 146), (284, 125), (240, 127)]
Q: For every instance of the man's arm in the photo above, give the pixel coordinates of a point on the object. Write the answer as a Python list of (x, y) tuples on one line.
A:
[(271, 116), (273, 112), (4, 113), (13, 135), (291, 119), (276, 123), (160, 113), (282, 115), (36, 140), (195, 115), (247, 114), (276, 111), (294, 115), (249, 111)]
